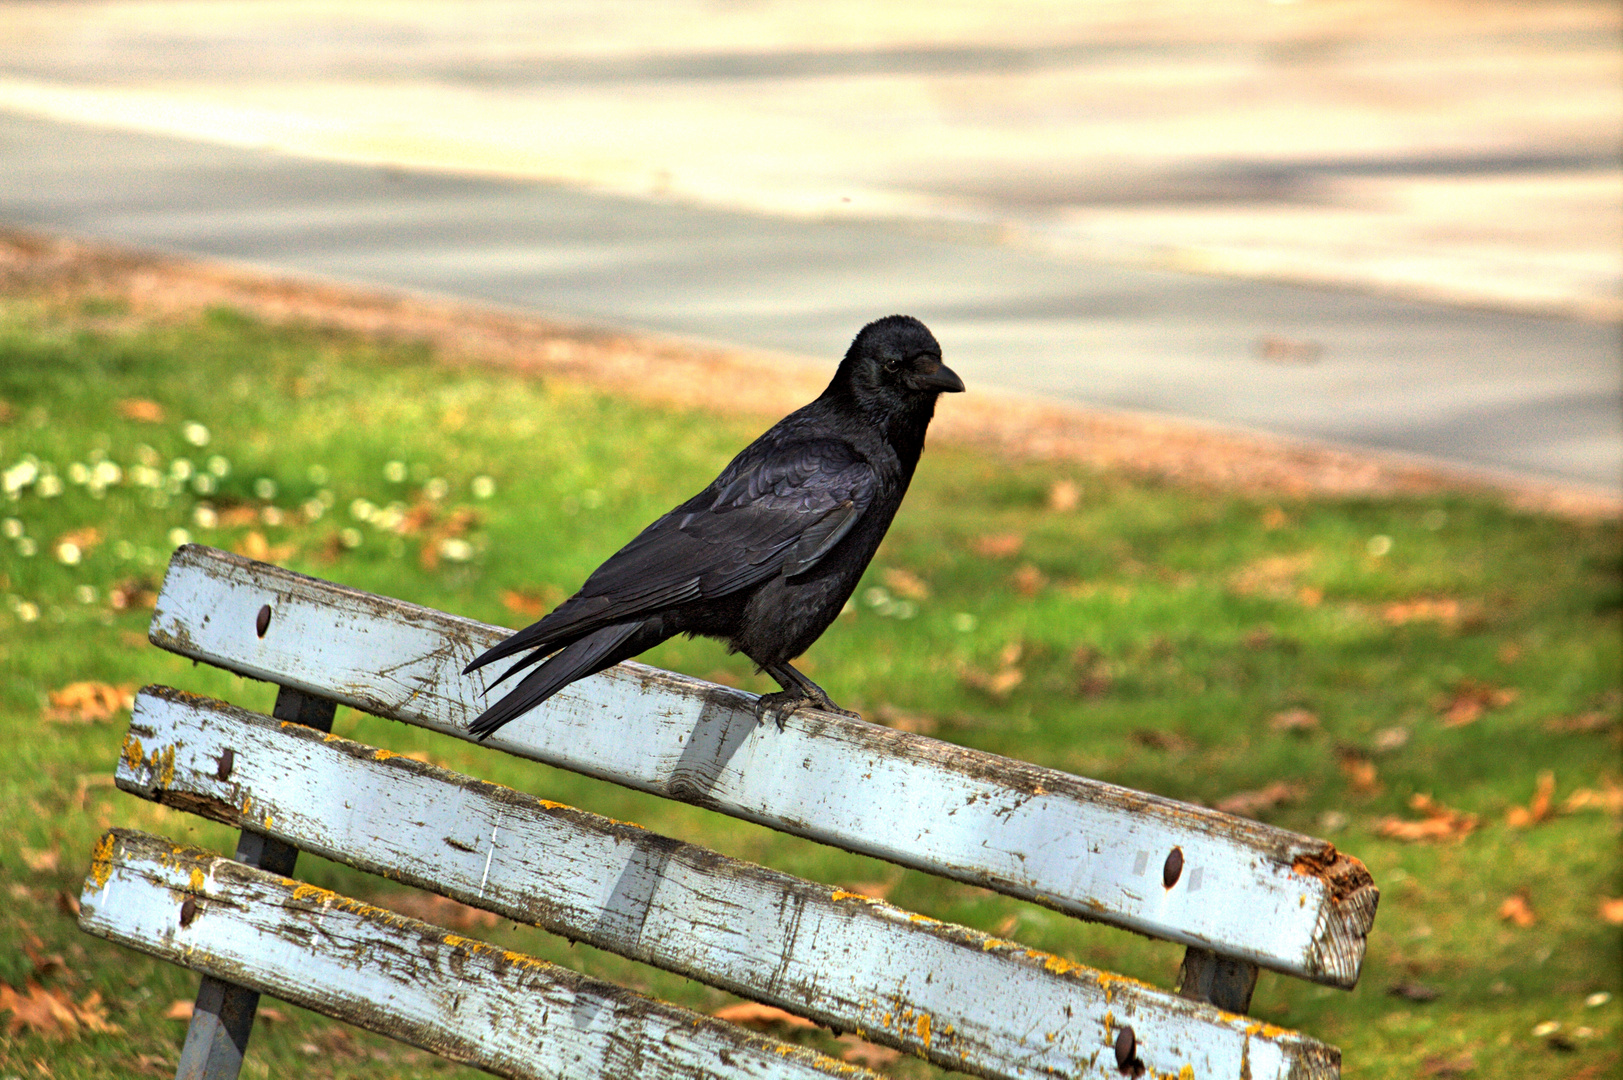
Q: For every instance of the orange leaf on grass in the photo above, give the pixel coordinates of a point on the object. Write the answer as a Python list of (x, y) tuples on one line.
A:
[(1517, 910), (1611, 910), (1252, 803), (999, 545), (1064, 495), (1470, 699), (141, 410), (1522, 817), (906, 584), (84, 702), (52, 1013), (860, 1051), (1298, 721), (754, 1014), (1439, 822), (531, 603), (256, 547)]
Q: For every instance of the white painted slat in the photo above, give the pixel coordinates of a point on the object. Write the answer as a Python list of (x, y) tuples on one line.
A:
[(1097, 851), (502, 1011), (956, 996)]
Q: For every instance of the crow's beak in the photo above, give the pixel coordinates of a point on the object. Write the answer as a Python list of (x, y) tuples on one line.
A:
[(944, 380)]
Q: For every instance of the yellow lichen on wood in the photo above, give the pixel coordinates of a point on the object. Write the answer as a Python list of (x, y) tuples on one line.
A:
[(195, 878), (133, 753), (922, 1028), (101, 861)]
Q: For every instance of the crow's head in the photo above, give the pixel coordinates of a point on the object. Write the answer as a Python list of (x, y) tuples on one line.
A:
[(895, 365)]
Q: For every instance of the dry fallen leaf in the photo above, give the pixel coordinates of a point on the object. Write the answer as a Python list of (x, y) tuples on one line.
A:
[(1439, 822), (1470, 699), (70, 547), (873, 890), (918, 723), (906, 584), (1611, 910), (1608, 799), (1360, 772), (754, 1014), (531, 603), (1274, 518), (999, 545), (1517, 910), (141, 410), (1296, 721), (41, 862), (1028, 580), (1445, 610), (256, 547), (860, 1051), (1169, 741), (83, 702), (1458, 1065), (440, 910), (52, 1013), (1522, 817), (1582, 723), (135, 592), (180, 1009), (1410, 990), (1252, 803), (67, 904), (1064, 495)]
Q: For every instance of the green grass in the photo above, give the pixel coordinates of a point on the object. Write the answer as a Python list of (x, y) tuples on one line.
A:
[(1156, 630)]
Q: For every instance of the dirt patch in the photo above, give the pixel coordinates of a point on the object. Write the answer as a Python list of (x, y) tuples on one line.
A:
[(754, 382)]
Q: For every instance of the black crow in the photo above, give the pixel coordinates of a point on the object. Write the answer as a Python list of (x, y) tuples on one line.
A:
[(766, 556)]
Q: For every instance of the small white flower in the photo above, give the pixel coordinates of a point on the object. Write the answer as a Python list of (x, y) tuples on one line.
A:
[(219, 466), (85, 594), (1549, 1027), (395, 472), (78, 473), (271, 516), (180, 469), (12, 528), (455, 549), (1379, 545), (27, 612), (1597, 999), (26, 547), (350, 538), (124, 550), (49, 486), (313, 509), (265, 488), (204, 517), (483, 487), (316, 474), (106, 474), (179, 537), (362, 509), (203, 484), (963, 622), (19, 476), (436, 489), (195, 433), (68, 553)]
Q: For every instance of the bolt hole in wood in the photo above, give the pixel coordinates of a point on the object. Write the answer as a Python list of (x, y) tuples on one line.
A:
[(228, 758), (1127, 1051), (262, 621), (188, 913), (1173, 870)]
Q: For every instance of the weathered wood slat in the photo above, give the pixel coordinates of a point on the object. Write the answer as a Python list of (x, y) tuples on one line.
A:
[(953, 995), (1097, 851), (502, 1011)]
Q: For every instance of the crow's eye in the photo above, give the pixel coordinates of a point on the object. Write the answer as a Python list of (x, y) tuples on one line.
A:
[(891, 365)]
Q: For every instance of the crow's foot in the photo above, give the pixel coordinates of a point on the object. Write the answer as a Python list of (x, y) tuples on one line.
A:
[(784, 703)]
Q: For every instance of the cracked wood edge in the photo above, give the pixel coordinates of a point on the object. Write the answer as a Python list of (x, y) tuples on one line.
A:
[(1249, 891), (472, 1002), (957, 997)]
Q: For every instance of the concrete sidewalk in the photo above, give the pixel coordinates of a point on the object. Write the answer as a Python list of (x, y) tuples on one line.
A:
[(1465, 153)]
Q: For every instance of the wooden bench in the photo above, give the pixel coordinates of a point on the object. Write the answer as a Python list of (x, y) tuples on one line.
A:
[(1238, 893)]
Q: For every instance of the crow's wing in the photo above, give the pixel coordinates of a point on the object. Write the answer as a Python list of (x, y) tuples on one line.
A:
[(778, 510)]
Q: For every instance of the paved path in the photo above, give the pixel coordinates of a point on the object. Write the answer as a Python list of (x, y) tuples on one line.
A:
[(1531, 395)]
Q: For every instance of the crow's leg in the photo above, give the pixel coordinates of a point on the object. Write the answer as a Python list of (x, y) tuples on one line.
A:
[(797, 691)]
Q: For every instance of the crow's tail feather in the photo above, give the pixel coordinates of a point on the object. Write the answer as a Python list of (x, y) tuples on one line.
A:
[(587, 656)]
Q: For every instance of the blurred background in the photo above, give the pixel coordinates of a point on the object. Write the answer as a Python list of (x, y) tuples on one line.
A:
[(1393, 224)]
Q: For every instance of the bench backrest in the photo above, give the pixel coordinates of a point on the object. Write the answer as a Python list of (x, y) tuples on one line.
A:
[(1240, 890)]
